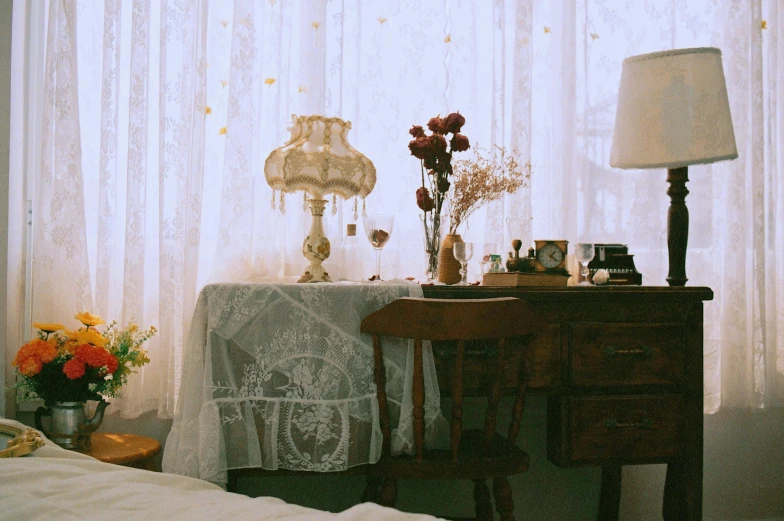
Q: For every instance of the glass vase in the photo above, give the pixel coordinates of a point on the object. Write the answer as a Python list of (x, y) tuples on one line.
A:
[(432, 227)]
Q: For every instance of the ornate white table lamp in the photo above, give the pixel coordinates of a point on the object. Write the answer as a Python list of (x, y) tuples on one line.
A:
[(318, 160), (673, 112)]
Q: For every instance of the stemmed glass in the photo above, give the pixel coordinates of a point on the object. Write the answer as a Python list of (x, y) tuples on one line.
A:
[(584, 255), (378, 229), (463, 251)]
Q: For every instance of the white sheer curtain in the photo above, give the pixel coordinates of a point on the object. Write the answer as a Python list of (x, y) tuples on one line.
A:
[(158, 116)]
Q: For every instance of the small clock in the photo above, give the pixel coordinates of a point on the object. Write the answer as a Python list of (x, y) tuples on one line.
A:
[(551, 255)]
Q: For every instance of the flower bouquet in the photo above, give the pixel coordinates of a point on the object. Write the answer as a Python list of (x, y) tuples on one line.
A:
[(435, 154), (75, 366)]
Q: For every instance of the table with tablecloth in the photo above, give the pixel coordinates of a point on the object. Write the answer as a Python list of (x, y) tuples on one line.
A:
[(278, 376)]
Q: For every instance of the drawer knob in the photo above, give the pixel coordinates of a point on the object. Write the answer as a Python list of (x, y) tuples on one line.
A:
[(612, 423), (641, 352)]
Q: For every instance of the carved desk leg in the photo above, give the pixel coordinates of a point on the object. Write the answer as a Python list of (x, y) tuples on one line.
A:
[(610, 495), (683, 484)]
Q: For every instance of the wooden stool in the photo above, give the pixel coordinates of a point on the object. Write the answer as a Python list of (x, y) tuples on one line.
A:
[(129, 450)]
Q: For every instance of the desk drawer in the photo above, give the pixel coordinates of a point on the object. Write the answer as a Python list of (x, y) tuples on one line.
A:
[(626, 354), (605, 430)]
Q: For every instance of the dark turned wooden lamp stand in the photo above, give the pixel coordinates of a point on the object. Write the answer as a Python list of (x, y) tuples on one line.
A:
[(677, 225)]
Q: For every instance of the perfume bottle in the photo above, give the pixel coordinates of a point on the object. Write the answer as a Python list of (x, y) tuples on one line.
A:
[(350, 256)]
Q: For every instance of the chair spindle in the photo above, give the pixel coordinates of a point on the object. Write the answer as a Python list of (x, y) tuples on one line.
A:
[(457, 400), (519, 404), (494, 398)]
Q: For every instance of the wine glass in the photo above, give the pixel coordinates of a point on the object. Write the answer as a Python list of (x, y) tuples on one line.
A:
[(584, 255), (378, 229), (463, 251)]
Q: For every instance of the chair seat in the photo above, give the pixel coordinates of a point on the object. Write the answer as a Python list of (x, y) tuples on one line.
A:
[(472, 462)]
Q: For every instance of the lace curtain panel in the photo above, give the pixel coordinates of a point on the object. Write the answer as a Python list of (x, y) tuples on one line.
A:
[(278, 376), (156, 118)]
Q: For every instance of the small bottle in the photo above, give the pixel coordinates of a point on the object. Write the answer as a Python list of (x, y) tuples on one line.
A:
[(496, 265), (350, 256)]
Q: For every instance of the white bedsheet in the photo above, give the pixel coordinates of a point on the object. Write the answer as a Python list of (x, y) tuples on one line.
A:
[(55, 484)]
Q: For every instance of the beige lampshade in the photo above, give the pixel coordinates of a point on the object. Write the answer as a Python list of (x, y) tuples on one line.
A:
[(319, 159), (672, 111)]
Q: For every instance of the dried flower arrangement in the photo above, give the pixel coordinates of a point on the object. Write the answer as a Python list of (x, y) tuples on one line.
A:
[(435, 158), (483, 179)]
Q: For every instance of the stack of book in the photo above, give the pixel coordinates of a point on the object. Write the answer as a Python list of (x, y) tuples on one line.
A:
[(533, 278)]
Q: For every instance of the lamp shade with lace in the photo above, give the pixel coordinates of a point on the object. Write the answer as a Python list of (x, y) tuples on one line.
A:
[(318, 160), (673, 111)]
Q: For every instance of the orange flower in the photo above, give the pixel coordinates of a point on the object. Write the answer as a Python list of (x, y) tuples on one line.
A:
[(111, 363), (30, 366), (73, 369), (95, 356), (41, 349)]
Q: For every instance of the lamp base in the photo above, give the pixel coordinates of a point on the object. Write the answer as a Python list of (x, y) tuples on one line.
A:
[(315, 273), (677, 225), (316, 247)]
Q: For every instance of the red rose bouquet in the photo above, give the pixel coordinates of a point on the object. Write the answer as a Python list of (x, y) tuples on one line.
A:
[(74, 366), (435, 154)]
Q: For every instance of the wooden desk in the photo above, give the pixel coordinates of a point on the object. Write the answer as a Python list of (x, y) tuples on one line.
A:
[(623, 370), (129, 450)]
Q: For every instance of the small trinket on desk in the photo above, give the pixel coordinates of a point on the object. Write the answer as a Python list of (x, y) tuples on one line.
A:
[(600, 277)]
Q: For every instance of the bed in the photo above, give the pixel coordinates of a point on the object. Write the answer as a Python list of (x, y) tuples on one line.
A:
[(53, 483)]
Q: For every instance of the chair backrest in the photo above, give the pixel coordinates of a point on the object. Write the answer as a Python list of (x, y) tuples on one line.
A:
[(460, 320)]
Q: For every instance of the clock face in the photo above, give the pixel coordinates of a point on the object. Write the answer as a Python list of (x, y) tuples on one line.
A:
[(549, 256)]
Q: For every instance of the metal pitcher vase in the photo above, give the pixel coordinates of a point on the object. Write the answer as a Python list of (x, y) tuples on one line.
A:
[(68, 425)]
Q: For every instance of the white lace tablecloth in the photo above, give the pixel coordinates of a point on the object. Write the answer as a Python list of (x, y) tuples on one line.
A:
[(278, 376)]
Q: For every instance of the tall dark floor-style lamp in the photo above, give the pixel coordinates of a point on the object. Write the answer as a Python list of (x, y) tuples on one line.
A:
[(673, 112)]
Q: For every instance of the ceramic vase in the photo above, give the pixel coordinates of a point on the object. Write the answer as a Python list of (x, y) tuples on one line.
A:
[(448, 266)]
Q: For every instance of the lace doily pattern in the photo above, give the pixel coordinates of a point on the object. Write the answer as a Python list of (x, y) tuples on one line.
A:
[(282, 378)]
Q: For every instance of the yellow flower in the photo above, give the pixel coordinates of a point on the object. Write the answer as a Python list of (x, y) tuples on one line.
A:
[(224, 83), (224, 23), (764, 24), (222, 131), (132, 328), (68, 347), (71, 334), (546, 29), (594, 36), (88, 319), (90, 336), (269, 81), (141, 359), (48, 328), (301, 88), (315, 25), (381, 20), (448, 38), (208, 110)]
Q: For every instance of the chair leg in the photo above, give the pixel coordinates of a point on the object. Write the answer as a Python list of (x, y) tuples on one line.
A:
[(504, 502), (370, 495), (387, 495), (482, 505)]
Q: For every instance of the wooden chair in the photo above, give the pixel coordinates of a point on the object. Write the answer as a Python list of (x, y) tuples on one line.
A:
[(477, 455)]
